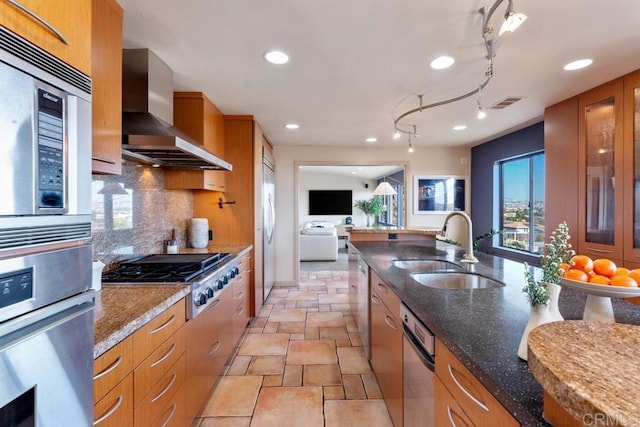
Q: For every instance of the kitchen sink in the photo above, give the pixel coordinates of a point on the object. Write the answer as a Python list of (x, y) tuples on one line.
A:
[(426, 265), (456, 281)]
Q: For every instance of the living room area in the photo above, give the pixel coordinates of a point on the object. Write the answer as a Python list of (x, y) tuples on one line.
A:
[(326, 212)]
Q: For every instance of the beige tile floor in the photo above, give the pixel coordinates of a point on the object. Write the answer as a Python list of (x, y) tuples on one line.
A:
[(301, 364)]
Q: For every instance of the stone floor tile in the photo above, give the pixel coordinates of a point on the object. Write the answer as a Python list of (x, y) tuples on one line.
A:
[(305, 295), (292, 376), (266, 365), (351, 323), (333, 299), (233, 397), (327, 319), (279, 292), (287, 315), (239, 365), (311, 333), (312, 352), (297, 337), (259, 322), (264, 345), (321, 375), (343, 343), (357, 413), (355, 338), (289, 407), (324, 307), (290, 304), (353, 387), (306, 304), (272, 381), (291, 327), (265, 310), (226, 422), (371, 386), (353, 361), (255, 331), (333, 392), (333, 333), (344, 308), (270, 328)]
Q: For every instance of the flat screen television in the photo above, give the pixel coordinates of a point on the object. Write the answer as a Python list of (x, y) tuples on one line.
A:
[(330, 202)]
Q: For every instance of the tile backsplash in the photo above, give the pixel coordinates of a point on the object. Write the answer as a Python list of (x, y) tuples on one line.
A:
[(133, 214)]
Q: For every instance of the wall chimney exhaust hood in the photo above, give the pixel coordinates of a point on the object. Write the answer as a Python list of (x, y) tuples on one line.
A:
[(148, 135)]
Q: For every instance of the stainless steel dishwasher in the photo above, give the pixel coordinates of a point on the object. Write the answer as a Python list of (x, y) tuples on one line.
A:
[(363, 306), (418, 348)]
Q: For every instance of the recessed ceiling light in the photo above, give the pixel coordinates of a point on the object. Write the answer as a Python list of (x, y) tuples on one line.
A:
[(276, 57), (442, 62), (459, 127), (354, 172), (576, 65), (371, 139), (292, 126)]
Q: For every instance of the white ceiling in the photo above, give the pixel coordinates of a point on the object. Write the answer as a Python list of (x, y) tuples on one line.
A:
[(356, 65), (364, 172)]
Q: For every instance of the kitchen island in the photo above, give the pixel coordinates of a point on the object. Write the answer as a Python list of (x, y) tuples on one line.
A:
[(481, 327)]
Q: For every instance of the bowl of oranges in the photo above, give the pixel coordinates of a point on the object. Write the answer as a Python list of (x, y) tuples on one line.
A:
[(600, 279)]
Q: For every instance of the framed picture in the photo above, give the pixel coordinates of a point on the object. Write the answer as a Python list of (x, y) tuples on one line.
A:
[(439, 194)]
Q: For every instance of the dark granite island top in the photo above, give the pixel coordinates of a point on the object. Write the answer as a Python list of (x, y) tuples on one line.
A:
[(481, 327)]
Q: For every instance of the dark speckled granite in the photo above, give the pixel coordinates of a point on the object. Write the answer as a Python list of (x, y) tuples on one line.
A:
[(481, 327)]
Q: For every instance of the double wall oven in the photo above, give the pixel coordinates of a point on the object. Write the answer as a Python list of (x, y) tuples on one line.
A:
[(46, 307)]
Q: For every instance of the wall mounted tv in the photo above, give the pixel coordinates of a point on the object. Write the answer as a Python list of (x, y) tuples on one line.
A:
[(330, 202)]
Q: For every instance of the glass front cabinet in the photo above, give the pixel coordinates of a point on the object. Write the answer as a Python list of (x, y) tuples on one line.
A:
[(632, 169)]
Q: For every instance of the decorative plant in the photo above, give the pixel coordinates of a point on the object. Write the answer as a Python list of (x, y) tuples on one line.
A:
[(476, 240), (371, 207), (557, 251)]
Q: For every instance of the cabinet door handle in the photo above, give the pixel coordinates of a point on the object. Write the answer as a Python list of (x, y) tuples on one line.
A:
[(240, 295), (167, 388), (464, 390), (453, 423), (40, 20), (602, 251), (390, 322), (173, 412), (165, 356), (375, 300), (215, 348), (109, 368), (110, 412), (164, 325), (382, 287), (239, 312), (103, 160)]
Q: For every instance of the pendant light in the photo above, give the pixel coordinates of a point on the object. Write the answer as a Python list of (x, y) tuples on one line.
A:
[(384, 189)]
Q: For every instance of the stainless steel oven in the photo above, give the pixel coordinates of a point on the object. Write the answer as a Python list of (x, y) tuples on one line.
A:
[(418, 354)]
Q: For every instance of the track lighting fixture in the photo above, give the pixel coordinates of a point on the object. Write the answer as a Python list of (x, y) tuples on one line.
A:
[(481, 112), (512, 20)]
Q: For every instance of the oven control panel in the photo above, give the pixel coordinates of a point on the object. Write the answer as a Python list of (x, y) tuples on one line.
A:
[(205, 291), (16, 287), (51, 177)]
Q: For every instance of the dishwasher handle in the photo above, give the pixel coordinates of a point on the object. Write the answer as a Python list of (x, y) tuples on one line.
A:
[(426, 358)]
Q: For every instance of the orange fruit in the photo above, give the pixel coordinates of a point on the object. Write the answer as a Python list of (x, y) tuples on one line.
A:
[(581, 262), (622, 270), (623, 280), (575, 274), (564, 267), (635, 275), (599, 280), (605, 267)]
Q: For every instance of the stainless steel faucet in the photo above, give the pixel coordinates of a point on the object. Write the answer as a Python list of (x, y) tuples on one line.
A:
[(468, 256)]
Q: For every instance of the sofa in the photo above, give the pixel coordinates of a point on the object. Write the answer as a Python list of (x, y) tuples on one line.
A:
[(318, 241)]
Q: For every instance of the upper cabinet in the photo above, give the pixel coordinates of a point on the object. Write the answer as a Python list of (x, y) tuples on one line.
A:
[(106, 104), (632, 167), (61, 27), (198, 117), (600, 163)]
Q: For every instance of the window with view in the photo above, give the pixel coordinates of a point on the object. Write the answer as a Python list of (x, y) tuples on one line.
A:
[(522, 203)]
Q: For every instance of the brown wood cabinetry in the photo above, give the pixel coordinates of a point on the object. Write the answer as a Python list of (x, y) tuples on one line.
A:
[(70, 18), (106, 105), (240, 317), (473, 400), (447, 410), (198, 117), (140, 381), (386, 346)]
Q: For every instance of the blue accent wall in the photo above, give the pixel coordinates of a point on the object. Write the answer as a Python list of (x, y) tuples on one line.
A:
[(483, 159)]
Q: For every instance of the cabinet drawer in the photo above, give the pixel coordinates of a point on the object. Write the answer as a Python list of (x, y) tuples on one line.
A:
[(474, 399), (116, 407), (161, 395), (111, 367), (70, 18), (152, 368), (447, 411), (239, 320), (385, 293), (244, 263), (240, 286), (154, 333), (174, 413)]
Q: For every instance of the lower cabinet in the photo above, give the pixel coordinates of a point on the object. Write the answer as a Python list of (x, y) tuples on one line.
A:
[(386, 347), (465, 398), (115, 408)]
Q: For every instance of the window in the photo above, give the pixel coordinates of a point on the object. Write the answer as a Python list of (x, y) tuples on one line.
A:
[(392, 207), (522, 203)]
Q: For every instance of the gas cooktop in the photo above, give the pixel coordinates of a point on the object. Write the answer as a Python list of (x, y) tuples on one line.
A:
[(164, 268)]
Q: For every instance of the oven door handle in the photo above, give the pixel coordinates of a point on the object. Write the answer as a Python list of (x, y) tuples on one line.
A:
[(426, 358)]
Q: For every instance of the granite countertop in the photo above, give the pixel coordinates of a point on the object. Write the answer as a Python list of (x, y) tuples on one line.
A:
[(481, 327), (397, 230), (123, 309), (587, 367)]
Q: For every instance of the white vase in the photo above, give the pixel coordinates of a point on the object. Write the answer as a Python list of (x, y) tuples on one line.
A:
[(554, 295), (199, 233), (539, 316)]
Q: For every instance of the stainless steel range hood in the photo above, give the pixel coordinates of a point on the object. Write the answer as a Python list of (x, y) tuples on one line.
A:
[(147, 132)]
